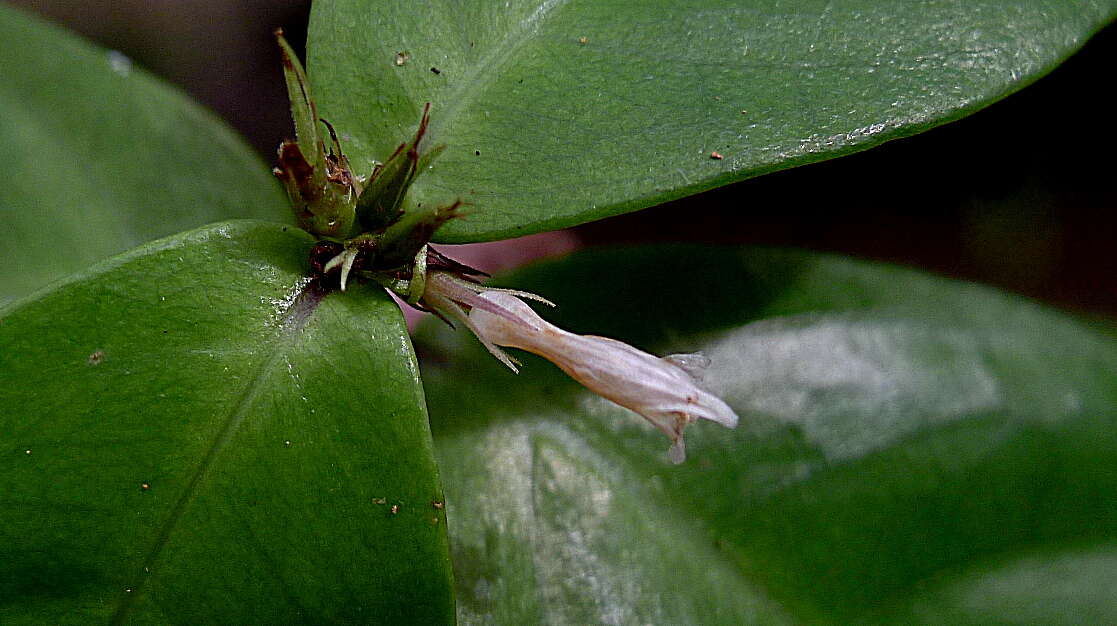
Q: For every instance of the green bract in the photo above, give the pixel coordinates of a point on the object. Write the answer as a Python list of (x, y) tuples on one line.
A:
[(321, 187), (329, 199), (382, 202)]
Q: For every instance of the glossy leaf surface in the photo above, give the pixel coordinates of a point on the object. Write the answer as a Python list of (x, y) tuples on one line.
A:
[(194, 434), (912, 449), (555, 112), (98, 157)]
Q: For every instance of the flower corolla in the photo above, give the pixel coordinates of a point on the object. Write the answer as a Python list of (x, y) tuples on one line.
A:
[(665, 391)]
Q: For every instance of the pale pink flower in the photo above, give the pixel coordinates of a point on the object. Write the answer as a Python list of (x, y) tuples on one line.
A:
[(665, 391)]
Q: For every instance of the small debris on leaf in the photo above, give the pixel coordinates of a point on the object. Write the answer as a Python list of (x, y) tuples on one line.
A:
[(402, 57), (436, 71), (380, 500), (717, 156), (394, 509), (97, 357), (145, 486), (438, 504), (583, 40), (120, 63)]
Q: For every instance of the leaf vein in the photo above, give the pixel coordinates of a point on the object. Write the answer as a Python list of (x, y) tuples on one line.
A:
[(295, 318), (488, 67)]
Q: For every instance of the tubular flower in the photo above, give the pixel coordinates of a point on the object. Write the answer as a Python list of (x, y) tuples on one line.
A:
[(447, 294), (665, 391)]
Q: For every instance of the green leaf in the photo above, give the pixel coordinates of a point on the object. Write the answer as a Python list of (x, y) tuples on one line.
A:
[(912, 449), (543, 131), (97, 156), (194, 434)]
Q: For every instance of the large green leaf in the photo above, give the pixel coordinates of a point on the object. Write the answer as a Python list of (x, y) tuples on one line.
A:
[(911, 449), (97, 157), (194, 434), (544, 131)]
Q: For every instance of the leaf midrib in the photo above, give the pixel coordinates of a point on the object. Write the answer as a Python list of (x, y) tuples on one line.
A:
[(295, 318), (484, 72)]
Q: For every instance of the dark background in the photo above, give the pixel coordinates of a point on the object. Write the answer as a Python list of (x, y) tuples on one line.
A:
[(1020, 195)]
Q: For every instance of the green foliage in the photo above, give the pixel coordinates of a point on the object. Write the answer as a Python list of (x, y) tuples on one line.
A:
[(543, 131), (194, 435), (911, 449), (194, 432), (100, 157)]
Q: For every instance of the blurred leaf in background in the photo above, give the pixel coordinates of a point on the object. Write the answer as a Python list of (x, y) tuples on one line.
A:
[(100, 157)]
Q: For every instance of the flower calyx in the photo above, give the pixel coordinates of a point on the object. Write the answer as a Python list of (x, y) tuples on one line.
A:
[(370, 217), (320, 184), (382, 201)]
